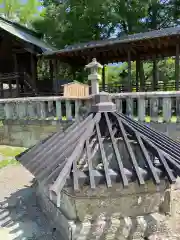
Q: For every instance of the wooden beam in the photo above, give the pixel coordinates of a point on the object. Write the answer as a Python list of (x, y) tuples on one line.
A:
[(177, 76), (137, 74), (129, 72)]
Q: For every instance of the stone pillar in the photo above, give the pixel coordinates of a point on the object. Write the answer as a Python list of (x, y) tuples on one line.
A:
[(94, 76)]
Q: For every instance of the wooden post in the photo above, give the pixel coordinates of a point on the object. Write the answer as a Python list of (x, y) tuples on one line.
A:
[(17, 74), (155, 80), (10, 86), (1, 87), (33, 71), (129, 71), (103, 78), (141, 76), (177, 68), (137, 74), (73, 67), (55, 83), (51, 70)]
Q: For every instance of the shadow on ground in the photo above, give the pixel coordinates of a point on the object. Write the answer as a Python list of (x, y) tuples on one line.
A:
[(20, 217)]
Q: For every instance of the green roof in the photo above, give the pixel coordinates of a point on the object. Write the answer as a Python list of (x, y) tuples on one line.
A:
[(25, 34)]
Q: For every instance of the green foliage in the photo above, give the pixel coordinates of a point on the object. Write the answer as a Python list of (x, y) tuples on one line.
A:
[(21, 11), (165, 73), (68, 22), (73, 21), (8, 154)]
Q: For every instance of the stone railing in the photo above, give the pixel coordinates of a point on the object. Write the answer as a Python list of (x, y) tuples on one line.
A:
[(149, 106)]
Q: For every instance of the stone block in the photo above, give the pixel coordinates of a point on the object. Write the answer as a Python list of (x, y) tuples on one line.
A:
[(115, 213)]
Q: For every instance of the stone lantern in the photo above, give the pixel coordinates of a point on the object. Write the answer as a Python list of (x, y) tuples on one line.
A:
[(94, 76)]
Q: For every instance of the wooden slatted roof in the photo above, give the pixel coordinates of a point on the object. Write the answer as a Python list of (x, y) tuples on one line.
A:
[(143, 45), (88, 153)]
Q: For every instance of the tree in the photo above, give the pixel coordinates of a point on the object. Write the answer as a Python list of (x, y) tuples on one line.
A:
[(75, 21), (18, 11)]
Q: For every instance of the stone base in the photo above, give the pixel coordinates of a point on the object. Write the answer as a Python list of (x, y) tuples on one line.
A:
[(119, 229), (103, 227)]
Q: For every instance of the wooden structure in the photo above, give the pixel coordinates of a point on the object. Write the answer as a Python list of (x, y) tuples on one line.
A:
[(19, 47), (75, 89), (150, 45), (94, 164)]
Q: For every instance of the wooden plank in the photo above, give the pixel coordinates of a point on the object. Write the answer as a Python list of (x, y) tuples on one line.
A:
[(104, 159), (131, 153), (154, 104), (49, 149), (141, 109), (60, 181), (90, 166), (163, 161), (177, 71), (57, 137), (167, 109), (75, 176), (147, 159), (117, 154)]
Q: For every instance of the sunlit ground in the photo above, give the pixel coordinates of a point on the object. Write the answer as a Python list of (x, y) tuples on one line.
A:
[(7, 155)]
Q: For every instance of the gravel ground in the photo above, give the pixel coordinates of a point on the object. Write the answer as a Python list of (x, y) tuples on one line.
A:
[(20, 218)]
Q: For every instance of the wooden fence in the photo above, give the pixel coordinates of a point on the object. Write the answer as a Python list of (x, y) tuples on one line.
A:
[(143, 106)]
